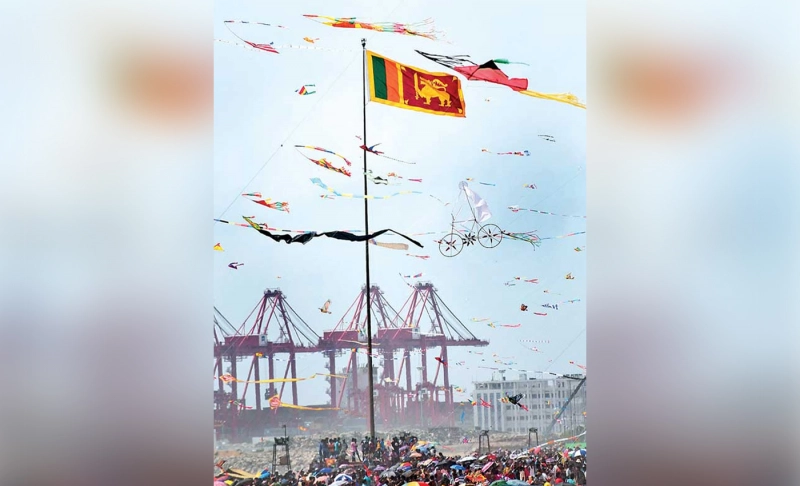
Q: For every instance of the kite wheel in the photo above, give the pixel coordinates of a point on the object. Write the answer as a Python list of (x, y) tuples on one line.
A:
[(490, 235), (451, 245)]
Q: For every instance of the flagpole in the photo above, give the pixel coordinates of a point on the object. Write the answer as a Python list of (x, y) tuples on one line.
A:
[(371, 387)]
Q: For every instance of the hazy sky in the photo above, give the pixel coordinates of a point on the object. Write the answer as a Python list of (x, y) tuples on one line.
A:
[(256, 109)]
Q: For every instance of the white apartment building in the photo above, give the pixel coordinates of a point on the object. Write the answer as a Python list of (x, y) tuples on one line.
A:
[(543, 394)]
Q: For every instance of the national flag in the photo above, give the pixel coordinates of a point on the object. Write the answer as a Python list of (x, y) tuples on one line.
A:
[(411, 88)]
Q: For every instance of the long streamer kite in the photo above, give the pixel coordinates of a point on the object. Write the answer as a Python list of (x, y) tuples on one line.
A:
[(491, 73), (421, 257), (420, 29), (517, 209), (323, 162), (274, 48), (257, 198), (263, 47), (337, 235), (524, 153), (228, 378), (269, 228), (275, 403), (321, 184), (379, 153)]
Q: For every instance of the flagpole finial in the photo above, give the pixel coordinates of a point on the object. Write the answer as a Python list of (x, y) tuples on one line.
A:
[(363, 42)]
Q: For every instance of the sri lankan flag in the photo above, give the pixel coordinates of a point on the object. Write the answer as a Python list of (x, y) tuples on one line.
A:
[(395, 84)]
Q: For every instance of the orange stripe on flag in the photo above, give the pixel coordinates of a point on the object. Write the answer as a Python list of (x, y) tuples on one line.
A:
[(391, 81)]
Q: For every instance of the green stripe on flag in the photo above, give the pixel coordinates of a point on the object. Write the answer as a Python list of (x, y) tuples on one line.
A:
[(379, 78)]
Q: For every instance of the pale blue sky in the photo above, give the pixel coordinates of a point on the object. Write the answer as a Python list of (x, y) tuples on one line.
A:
[(256, 108)]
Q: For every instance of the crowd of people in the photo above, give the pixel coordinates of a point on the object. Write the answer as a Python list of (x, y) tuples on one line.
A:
[(405, 459)]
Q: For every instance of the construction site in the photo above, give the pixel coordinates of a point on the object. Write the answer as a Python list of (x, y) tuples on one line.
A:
[(255, 365)]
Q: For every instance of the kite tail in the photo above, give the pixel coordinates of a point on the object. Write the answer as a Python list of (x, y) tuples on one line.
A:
[(567, 98)]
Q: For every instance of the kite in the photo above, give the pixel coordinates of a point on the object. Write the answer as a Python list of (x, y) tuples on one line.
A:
[(304, 91), (484, 403), (548, 292), (420, 29), (551, 306), (337, 235), (390, 246), (269, 228), (475, 352), (235, 265), (569, 276), (516, 209), (472, 402), (524, 153), (523, 307), (376, 179), (470, 179), (510, 283), (580, 248), (439, 359), (531, 280), (321, 184), (327, 196), (549, 138), (491, 73), (311, 41), (372, 150), (579, 366), (218, 247), (275, 403), (540, 313), (258, 199), (415, 180), (529, 237), (324, 163), (325, 307), (516, 401), (511, 325), (422, 257), (264, 47), (411, 276), (481, 319), (491, 324), (530, 186)]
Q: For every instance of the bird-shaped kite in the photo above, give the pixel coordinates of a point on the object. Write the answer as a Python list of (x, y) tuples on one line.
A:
[(310, 40), (569, 276), (372, 149), (235, 265), (523, 307), (218, 247), (325, 307), (516, 401), (439, 359)]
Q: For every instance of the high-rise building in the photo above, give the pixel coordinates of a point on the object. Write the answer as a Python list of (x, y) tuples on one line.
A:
[(543, 394)]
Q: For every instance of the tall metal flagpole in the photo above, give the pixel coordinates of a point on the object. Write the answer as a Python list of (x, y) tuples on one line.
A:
[(366, 245)]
